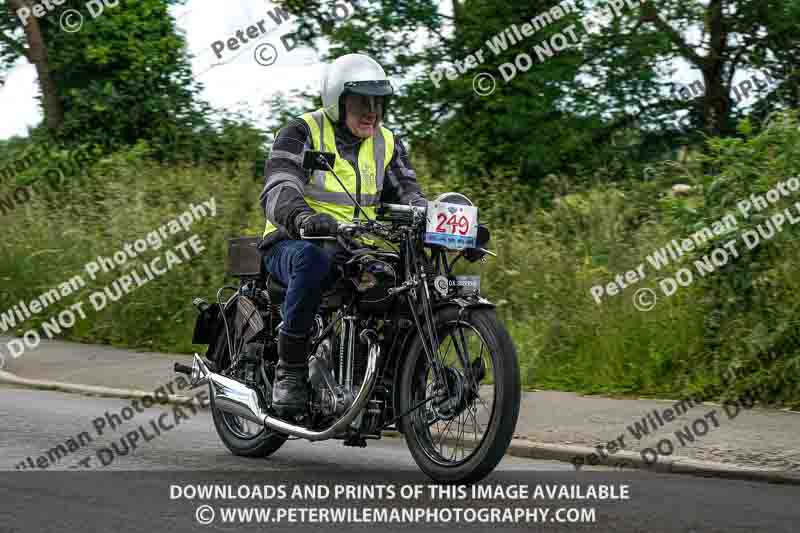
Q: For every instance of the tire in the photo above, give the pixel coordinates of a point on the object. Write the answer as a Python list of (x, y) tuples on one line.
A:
[(483, 324), (262, 444)]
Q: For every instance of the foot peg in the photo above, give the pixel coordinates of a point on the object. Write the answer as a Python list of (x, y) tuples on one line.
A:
[(183, 369), (357, 441)]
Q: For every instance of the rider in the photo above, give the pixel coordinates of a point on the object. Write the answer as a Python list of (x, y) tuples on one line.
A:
[(372, 164)]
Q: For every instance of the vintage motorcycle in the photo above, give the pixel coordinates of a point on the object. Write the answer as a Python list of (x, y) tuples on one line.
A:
[(400, 343)]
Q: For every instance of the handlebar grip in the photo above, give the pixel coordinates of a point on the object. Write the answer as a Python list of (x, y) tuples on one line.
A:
[(399, 208), (305, 237), (395, 207)]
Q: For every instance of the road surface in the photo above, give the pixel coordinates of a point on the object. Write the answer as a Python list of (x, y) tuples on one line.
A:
[(132, 491)]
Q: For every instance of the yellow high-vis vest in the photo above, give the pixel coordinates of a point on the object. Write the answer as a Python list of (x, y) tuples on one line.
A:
[(324, 194)]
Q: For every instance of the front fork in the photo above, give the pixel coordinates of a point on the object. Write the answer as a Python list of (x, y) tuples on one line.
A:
[(451, 386)]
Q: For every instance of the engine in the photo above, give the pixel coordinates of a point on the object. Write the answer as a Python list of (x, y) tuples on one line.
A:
[(331, 397)]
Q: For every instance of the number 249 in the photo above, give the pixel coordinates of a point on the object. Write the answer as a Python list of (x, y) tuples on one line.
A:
[(461, 224)]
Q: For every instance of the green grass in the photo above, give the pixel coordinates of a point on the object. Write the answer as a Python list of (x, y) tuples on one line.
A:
[(548, 260)]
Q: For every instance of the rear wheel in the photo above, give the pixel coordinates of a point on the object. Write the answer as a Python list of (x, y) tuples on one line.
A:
[(463, 431), (243, 437)]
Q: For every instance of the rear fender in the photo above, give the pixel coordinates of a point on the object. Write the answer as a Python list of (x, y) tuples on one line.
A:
[(210, 327), (205, 328)]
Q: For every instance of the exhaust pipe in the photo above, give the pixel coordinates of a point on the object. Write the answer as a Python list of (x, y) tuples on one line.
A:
[(231, 396)]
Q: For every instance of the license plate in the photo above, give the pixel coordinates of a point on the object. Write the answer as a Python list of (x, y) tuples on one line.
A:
[(466, 284), (452, 225)]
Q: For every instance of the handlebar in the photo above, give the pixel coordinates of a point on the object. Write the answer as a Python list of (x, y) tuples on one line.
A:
[(394, 211), (345, 231), (402, 208), (392, 223), (389, 215)]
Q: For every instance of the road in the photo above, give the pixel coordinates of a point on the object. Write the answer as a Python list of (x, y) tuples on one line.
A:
[(756, 438), (132, 492)]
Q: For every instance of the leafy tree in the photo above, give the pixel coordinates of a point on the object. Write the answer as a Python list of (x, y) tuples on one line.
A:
[(455, 129), (633, 61), (34, 48), (124, 76), (618, 78)]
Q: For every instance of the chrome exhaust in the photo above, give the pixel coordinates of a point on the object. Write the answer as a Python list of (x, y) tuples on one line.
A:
[(231, 396)]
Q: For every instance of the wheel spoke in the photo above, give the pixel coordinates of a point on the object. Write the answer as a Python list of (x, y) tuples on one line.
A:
[(241, 427), (474, 381), (465, 354), (444, 433), (444, 358), (485, 407), (455, 443), (461, 434), (474, 420)]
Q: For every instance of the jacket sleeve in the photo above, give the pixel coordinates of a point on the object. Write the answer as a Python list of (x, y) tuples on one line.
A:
[(402, 177), (283, 196)]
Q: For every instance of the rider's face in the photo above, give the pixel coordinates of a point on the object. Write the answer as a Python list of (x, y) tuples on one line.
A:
[(363, 114)]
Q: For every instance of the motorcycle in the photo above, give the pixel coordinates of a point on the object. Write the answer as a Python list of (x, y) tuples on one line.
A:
[(399, 343)]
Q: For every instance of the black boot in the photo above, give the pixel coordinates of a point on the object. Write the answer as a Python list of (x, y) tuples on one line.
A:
[(290, 390)]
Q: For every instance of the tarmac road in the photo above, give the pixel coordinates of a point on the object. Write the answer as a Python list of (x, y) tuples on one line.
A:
[(132, 492), (41, 420)]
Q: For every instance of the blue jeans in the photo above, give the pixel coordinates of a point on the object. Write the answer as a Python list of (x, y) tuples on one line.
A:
[(307, 271)]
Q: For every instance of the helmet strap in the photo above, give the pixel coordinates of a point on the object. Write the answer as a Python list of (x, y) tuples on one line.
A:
[(342, 111)]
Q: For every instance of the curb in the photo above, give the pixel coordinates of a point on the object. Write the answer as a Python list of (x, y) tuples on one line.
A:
[(576, 455), (581, 455), (95, 390)]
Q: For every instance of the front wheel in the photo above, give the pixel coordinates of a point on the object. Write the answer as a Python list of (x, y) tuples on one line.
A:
[(462, 432)]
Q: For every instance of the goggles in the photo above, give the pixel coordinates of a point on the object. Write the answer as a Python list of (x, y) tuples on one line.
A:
[(360, 104)]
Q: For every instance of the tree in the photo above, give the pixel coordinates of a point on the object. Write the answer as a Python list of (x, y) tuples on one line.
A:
[(617, 79), (35, 52), (123, 77), (634, 59), (455, 129)]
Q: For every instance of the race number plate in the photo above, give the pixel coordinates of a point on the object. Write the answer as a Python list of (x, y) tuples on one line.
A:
[(451, 225)]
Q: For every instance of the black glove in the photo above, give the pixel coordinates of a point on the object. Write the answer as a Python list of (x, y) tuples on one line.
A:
[(316, 224), (419, 202)]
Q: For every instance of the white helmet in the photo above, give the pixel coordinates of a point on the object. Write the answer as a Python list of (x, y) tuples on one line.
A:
[(352, 74)]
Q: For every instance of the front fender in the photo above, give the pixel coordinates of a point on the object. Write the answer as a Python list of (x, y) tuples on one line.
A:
[(470, 301)]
